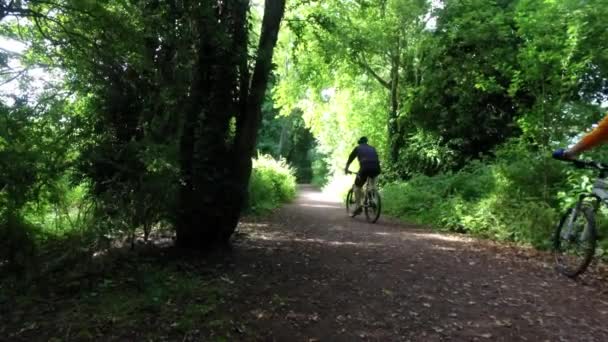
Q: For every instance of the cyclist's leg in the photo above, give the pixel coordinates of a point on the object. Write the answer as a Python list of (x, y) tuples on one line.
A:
[(358, 188), (371, 183), (372, 175)]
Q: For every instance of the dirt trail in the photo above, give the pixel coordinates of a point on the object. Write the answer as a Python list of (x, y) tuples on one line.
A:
[(310, 273)]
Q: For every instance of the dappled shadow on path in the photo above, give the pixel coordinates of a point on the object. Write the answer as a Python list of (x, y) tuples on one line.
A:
[(320, 275)]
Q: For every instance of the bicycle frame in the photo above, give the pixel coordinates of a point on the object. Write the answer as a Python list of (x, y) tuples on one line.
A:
[(370, 185), (600, 187), (366, 188), (582, 236), (599, 194)]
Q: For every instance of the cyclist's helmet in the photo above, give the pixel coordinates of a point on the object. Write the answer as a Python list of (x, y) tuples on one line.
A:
[(362, 140)]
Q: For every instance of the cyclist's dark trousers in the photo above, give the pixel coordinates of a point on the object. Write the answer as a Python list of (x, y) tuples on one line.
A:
[(365, 173)]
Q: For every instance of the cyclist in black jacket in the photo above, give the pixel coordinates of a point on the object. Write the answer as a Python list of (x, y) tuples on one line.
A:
[(369, 169)]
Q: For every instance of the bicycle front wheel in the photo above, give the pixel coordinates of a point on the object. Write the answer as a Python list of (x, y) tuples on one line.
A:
[(373, 206), (350, 202), (574, 241)]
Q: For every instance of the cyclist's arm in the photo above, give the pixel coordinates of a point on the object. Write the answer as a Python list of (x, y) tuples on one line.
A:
[(596, 137), (352, 157)]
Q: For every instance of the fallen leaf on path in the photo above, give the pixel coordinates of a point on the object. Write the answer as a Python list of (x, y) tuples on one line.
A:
[(504, 323), (30, 326), (291, 315), (314, 317), (226, 279)]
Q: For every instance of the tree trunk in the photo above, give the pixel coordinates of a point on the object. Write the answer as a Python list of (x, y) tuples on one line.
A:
[(395, 137), (215, 165), (248, 126)]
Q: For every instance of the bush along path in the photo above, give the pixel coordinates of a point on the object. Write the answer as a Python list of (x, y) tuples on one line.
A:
[(310, 273)]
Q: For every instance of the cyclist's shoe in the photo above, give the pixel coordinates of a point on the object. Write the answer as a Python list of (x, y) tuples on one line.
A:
[(559, 154), (356, 212), (562, 154)]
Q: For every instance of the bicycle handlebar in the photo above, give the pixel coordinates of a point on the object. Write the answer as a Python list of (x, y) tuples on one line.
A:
[(582, 164)]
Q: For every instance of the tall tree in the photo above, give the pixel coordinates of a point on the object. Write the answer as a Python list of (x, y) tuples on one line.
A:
[(173, 102), (470, 62), (371, 38), (221, 122)]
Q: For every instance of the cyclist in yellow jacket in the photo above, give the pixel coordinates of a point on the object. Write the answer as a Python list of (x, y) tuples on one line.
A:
[(594, 138)]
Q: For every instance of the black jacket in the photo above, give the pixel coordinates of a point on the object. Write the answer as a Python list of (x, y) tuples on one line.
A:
[(367, 156)]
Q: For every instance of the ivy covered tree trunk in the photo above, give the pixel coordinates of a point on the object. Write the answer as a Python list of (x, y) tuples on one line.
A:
[(395, 136), (221, 122)]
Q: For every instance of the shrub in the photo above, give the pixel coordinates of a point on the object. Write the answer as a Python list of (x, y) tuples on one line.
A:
[(512, 197), (320, 169), (17, 243), (272, 183)]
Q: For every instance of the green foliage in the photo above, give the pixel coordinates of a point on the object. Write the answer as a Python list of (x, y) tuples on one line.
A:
[(272, 183), (484, 72), (468, 65), (512, 197), (424, 153), (165, 101), (320, 168), (327, 55), (474, 99), (154, 109), (285, 136), (35, 154)]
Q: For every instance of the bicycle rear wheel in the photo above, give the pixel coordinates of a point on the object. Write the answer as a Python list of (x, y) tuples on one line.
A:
[(350, 202), (373, 206), (574, 241)]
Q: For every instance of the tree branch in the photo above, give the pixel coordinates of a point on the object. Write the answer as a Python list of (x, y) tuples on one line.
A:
[(363, 63), (248, 126), (17, 74)]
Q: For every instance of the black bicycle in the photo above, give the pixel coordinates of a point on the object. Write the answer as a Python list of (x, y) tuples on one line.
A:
[(372, 204), (575, 238)]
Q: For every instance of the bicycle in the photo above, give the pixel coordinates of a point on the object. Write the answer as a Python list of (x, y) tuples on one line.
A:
[(574, 240), (372, 204)]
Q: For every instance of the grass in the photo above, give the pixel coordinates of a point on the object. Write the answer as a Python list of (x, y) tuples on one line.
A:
[(141, 299)]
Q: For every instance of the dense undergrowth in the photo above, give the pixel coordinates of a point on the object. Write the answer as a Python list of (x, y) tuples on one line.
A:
[(516, 196), (150, 295), (68, 274), (64, 227), (272, 183)]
